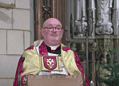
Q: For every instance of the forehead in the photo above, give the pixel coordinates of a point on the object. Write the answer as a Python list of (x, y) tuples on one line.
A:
[(52, 22)]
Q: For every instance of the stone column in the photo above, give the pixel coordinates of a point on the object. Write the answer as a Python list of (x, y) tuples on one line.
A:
[(116, 17), (91, 17), (80, 17)]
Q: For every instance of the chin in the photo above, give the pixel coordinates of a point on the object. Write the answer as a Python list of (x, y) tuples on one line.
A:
[(54, 44), (54, 38)]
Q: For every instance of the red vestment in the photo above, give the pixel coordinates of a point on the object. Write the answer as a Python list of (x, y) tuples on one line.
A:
[(43, 51)]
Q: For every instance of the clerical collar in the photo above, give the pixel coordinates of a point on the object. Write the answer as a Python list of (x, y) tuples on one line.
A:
[(56, 51), (54, 47)]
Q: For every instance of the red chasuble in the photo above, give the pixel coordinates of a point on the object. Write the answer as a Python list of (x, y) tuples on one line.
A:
[(43, 52)]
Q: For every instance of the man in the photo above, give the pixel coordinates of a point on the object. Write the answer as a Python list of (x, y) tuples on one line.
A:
[(49, 56)]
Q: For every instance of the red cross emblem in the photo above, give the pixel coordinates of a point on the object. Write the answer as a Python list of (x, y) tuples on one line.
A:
[(50, 62)]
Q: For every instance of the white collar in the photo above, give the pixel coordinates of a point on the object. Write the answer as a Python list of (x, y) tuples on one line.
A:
[(53, 47)]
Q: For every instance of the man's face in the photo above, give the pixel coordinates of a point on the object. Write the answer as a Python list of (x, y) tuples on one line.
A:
[(52, 32)]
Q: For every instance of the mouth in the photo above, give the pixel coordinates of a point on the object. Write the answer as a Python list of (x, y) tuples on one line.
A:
[(54, 35)]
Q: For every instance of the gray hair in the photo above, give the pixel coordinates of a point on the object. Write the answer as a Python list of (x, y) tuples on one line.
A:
[(43, 24)]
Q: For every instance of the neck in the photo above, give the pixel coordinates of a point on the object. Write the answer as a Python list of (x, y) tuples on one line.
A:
[(54, 44), (54, 47)]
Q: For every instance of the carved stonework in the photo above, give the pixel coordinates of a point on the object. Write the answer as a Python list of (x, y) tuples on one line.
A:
[(91, 23), (100, 46), (91, 18), (101, 72), (103, 15), (104, 43), (116, 45), (93, 47), (80, 17), (101, 19), (104, 29)]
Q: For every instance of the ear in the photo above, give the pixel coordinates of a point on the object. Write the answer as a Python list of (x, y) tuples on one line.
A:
[(62, 31), (42, 32)]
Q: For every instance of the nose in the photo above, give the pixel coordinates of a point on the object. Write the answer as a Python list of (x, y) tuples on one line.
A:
[(54, 30)]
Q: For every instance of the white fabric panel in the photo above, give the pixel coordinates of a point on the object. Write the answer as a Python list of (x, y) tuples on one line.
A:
[(64, 72)]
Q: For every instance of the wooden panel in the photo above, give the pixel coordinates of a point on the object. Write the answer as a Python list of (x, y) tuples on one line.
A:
[(38, 18), (54, 8), (57, 11), (62, 10), (53, 80)]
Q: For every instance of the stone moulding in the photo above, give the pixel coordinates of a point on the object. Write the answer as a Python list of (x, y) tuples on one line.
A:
[(4, 5)]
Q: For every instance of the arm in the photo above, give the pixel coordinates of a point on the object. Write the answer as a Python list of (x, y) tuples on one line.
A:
[(23, 79), (20, 71), (79, 65)]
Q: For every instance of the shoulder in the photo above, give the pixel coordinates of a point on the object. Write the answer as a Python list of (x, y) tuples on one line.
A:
[(65, 48), (30, 51), (69, 50), (30, 47), (35, 44)]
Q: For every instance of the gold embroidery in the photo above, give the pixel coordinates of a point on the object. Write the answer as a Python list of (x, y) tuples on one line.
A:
[(33, 62), (68, 59)]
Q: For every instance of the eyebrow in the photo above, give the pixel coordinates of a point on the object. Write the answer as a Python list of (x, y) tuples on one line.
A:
[(56, 25)]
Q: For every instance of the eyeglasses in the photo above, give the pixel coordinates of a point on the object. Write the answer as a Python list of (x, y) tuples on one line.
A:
[(52, 28)]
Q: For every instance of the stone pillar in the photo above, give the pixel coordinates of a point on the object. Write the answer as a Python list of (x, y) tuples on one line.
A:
[(91, 17), (116, 17), (80, 17)]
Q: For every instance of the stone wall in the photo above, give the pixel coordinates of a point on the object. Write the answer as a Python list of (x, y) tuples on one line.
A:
[(14, 37)]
